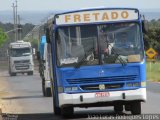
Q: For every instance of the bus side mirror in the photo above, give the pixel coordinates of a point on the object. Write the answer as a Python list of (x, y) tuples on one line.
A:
[(145, 26), (38, 55), (48, 35)]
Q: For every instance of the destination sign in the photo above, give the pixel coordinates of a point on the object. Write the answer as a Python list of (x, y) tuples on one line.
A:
[(96, 16)]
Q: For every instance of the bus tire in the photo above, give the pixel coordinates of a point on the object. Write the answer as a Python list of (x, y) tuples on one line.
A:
[(48, 92), (43, 87), (118, 108), (67, 111), (136, 108)]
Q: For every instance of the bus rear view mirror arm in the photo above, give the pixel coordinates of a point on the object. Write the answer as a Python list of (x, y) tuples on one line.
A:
[(47, 35), (145, 26)]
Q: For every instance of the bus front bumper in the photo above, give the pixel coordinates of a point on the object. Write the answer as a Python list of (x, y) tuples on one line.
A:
[(100, 97)]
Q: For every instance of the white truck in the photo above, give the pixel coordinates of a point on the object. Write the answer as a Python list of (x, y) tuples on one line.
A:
[(20, 58)]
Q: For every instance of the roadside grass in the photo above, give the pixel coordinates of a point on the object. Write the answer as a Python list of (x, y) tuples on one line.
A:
[(153, 71)]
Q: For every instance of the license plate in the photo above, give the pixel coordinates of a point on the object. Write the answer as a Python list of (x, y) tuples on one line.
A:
[(102, 94)]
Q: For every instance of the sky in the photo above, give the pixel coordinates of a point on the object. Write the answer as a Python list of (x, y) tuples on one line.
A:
[(45, 5)]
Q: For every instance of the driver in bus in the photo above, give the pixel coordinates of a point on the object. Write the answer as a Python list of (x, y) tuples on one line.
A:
[(124, 41)]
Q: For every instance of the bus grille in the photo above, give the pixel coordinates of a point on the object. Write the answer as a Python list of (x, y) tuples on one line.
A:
[(103, 79), (107, 86)]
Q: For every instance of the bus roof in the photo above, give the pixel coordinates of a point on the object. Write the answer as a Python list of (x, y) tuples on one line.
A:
[(93, 8)]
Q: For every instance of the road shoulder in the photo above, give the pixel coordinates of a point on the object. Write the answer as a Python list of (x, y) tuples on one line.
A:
[(7, 105)]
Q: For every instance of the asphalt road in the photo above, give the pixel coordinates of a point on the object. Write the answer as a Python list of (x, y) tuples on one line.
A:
[(21, 96)]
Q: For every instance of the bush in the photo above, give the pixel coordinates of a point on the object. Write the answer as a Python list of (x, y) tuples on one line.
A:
[(3, 37)]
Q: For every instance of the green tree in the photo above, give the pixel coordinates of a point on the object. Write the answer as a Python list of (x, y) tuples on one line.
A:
[(152, 38), (34, 43), (3, 37)]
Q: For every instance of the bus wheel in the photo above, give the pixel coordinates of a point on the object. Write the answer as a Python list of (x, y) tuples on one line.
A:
[(118, 108), (136, 108), (67, 111), (43, 87), (48, 92)]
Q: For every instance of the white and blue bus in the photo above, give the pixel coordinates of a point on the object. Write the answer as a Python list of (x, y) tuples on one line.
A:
[(97, 59)]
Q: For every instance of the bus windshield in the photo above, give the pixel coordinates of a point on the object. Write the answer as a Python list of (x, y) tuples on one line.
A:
[(18, 52), (99, 44)]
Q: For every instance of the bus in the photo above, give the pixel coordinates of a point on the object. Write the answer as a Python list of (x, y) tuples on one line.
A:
[(97, 59), (43, 58)]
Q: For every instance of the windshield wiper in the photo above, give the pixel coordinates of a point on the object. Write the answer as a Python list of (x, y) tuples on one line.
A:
[(84, 58), (117, 56)]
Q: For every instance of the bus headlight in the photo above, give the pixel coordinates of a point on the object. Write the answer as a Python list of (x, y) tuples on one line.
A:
[(136, 84), (74, 88), (129, 85), (67, 89)]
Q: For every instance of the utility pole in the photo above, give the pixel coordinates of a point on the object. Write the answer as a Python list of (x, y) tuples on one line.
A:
[(19, 28), (14, 20)]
